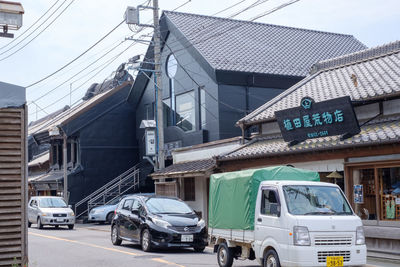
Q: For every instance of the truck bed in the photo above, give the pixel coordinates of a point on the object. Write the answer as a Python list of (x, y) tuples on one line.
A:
[(244, 236)]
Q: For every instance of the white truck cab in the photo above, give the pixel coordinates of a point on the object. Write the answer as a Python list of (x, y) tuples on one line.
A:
[(296, 223)]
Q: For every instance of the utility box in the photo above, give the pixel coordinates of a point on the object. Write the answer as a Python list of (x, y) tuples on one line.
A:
[(13, 176), (132, 15)]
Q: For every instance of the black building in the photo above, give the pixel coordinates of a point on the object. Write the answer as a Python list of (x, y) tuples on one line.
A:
[(217, 70), (101, 143)]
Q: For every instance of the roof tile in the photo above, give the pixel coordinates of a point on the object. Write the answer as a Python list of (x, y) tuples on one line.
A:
[(236, 45), (375, 77)]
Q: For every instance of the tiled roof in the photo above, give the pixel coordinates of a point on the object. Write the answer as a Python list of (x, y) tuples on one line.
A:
[(42, 158), (236, 45), (365, 75), (69, 114), (186, 167), (380, 132)]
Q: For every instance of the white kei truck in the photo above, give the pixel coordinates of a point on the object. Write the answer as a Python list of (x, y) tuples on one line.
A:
[(283, 216)]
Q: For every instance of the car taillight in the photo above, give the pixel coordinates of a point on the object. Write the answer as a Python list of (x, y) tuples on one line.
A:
[(115, 212)]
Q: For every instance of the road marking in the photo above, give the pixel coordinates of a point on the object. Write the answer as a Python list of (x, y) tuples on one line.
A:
[(105, 248)]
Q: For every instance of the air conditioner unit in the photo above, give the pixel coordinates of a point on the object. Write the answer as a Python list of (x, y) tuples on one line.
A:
[(132, 15)]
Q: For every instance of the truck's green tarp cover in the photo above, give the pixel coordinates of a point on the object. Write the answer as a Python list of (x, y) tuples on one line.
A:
[(233, 194)]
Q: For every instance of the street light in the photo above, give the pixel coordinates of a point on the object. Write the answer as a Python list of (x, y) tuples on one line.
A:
[(10, 17)]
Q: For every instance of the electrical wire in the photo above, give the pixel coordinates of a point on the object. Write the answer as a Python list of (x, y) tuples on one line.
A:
[(68, 70), (19, 49), (256, 3), (30, 27), (274, 9), (75, 59), (184, 4), (225, 9), (76, 74), (79, 87)]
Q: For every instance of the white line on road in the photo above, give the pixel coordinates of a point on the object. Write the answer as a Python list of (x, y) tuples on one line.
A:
[(105, 248)]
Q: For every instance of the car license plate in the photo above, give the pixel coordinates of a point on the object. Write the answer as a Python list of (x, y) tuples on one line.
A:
[(334, 261), (60, 220), (187, 238)]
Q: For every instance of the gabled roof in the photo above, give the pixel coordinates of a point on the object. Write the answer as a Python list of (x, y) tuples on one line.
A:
[(370, 74), (72, 113), (252, 47)]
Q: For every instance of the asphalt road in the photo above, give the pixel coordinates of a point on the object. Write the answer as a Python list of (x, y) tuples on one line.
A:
[(89, 245)]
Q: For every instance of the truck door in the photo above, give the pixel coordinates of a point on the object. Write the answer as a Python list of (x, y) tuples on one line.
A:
[(270, 224)]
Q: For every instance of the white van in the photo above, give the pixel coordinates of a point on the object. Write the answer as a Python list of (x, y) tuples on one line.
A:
[(296, 223)]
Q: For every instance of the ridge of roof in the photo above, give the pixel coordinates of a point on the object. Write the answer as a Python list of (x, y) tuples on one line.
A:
[(357, 57), (334, 64), (255, 23)]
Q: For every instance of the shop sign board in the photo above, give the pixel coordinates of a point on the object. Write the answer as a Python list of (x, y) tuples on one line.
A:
[(150, 138), (358, 194), (313, 120)]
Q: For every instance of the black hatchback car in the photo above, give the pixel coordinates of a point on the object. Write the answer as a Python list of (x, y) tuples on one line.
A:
[(158, 222)]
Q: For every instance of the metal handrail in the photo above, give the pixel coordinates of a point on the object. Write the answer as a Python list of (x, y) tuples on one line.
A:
[(113, 186), (82, 201), (118, 184), (91, 204)]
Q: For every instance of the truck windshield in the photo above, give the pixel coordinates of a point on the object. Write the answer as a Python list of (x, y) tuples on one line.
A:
[(52, 203), (315, 200)]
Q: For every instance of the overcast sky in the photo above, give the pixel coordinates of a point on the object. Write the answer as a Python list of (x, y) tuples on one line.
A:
[(373, 22)]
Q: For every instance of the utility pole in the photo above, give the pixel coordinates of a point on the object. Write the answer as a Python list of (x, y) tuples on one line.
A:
[(65, 193), (158, 86)]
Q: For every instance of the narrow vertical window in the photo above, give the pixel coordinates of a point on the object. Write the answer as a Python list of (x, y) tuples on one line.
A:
[(202, 108)]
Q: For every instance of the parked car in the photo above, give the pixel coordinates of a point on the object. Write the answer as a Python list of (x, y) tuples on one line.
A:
[(50, 211), (104, 213), (158, 222)]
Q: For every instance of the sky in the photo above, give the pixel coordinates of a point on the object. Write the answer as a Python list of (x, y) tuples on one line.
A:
[(84, 22)]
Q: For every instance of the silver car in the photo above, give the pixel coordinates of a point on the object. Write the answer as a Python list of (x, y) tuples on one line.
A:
[(105, 213), (50, 211)]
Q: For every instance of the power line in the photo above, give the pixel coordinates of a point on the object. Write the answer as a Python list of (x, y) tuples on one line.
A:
[(72, 61), (114, 44), (78, 87), (19, 49), (19, 36), (76, 74), (225, 9), (256, 3), (274, 9), (184, 4)]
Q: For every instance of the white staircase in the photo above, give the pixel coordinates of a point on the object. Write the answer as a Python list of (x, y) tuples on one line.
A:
[(124, 183)]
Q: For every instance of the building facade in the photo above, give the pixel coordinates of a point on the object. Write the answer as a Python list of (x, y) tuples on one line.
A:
[(369, 160), (217, 70)]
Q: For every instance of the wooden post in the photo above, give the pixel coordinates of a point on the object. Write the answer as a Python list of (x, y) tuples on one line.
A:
[(377, 195)]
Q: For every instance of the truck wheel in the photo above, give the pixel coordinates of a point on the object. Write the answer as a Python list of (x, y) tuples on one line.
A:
[(271, 259), (224, 255)]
